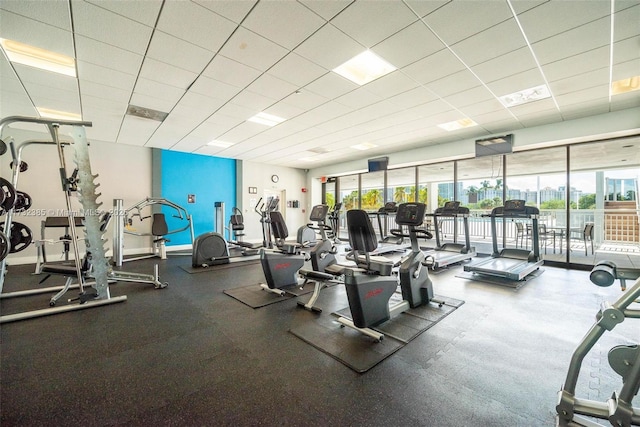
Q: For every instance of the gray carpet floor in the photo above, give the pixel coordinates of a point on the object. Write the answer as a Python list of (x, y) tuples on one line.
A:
[(190, 355)]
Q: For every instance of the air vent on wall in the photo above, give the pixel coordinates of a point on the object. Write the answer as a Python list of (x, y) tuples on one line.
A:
[(146, 113)]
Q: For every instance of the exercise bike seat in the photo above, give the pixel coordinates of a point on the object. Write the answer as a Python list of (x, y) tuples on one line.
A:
[(362, 238)]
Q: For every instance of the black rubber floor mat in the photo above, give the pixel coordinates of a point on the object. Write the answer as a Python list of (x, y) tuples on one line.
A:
[(245, 261), (360, 352), (255, 297)]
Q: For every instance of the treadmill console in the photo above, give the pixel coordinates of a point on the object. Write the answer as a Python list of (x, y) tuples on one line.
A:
[(411, 214), (514, 206), (319, 213), (451, 207)]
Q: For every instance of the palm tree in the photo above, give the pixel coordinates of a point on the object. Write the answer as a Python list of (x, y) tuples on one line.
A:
[(372, 199), (411, 197), (422, 195), (498, 185), (399, 195), (472, 191)]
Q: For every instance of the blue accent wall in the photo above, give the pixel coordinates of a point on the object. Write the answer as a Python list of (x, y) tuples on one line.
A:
[(211, 179)]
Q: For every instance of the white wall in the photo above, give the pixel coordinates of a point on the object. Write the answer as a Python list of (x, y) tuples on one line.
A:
[(124, 172), (259, 175)]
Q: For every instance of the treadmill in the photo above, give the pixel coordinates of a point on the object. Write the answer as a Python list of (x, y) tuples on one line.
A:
[(511, 264), (388, 243), (450, 253)]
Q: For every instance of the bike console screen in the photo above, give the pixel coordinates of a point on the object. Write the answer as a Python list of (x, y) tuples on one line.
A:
[(411, 214)]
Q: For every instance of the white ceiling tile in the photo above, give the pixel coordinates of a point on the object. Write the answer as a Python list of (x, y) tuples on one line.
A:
[(506, 65), (558, 17), (582, 109), (305, 100), (329, 47), (167, 135), (536, 107), (331, 85), (102, 91), (626, 23), (326, 9), (328, 111), (370, 22), (54, 13), (242, 132), (46, 78), (253, 101), (196, 24), (165, 73), (283, 110), (430, 108), (358, 98), (423, 8), (211, 151), (577, 64), (252, 50), (539, 117), (578, 40), (479, 108), (108, 56), (206, 103), (470, 17), (231, 9), (158, 90), (626, 69), (297, 70), (470, 97), (145, 12), (98, 23), (285, 23), (600, 92), (16, 105), (103, 105), (391, 84), (231, 72), (236, 111), (190, 143), (517, 82), (413, 97), (185, 118), (434, 67), (584, 81), (177, 52), (209, 131), (220, 118), (107, 77), (455, 83), (35, 33), (272, 87), (498, 40), (625, 100), (214, 88), (626, 50), (102, 129), (409, 45)]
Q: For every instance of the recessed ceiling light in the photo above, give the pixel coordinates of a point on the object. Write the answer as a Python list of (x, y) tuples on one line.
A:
[(625, 85), (48, 113), (39, 58), (308, 159), (364, 68), (266, 119), (458, 124), (528, 95), (216, 143), (364, 146), (627, 146)]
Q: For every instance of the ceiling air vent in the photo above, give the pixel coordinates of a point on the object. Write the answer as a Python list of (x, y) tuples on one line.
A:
[(146, 113), (319, 150)]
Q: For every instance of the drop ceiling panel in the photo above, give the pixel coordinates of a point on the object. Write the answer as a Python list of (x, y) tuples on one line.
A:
[(179, 53), (626, 22), (326, 9), (105, 76), (42, 11), (146, 87), (252, 101), (434, 67), (359, 98), (480, 108), (577, 64), (533, 107), (285, 23), (474, 96), (165, 137), (537, 118), (104, 105), (136, 130), (46, 78), (626, 69), (101, 91), (409, 45), (296, 70), (190, 143), (35, 33), (391, 84), (99, 24), (585, 81), (370, 22), (573, 42), (455, 83), (430, 108), (582, 109), (252, 50), (53, 98), (329, 47), (108, 56), (518, 82), (166, 73), (237, 112), (284, 110), (470, 18), (231, 72), (506, 65), (272, 87), (305, 100), (626, 50), (207, 86), (103, 129), (496, 41), (600, 93), (231, 9), (207, 104), (331, 86), (144, 12), (560, 16), (18, 105), (196, 24)]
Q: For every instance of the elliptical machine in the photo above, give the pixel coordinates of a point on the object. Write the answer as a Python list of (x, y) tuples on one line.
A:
[(370, 287)]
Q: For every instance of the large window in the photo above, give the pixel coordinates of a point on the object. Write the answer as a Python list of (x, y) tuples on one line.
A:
[(372, 197), (401, 185)]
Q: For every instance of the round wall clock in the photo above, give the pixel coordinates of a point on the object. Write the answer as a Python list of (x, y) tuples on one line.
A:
[(275, 178)]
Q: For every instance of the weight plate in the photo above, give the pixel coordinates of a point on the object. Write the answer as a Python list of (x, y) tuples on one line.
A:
[(23, 201), (4, 246), (19, 238), (8, 197)]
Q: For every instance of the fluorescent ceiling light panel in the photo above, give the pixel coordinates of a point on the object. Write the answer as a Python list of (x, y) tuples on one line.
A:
[(60, 115), (32, 56), (266, 119), (364, 146), (528, 95), (216, 143), (457, 124), (364, 68), (308, 159), (625, 85)]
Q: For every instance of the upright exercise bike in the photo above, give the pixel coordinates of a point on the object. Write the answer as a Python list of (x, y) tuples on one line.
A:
[(370, 287)]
